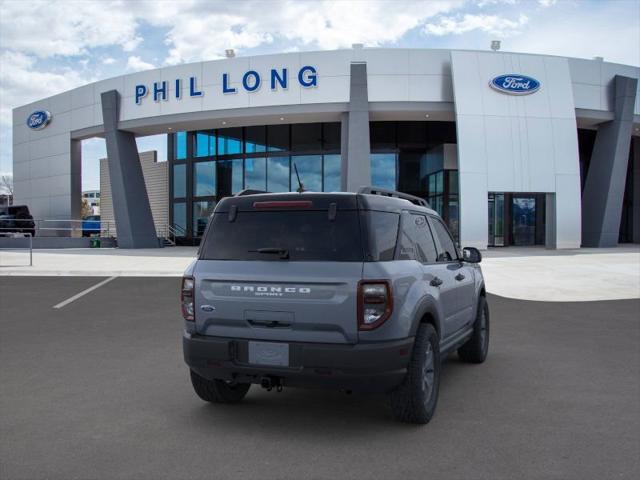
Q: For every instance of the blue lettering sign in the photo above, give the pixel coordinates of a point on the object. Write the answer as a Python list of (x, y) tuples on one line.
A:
[(38, 119), (225, 84), (157, 90), (192, 88), (251, 86), (275, 77), (515, 84), (141, 92), (310, 80)]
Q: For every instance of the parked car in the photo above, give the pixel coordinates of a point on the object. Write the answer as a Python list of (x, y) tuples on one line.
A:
[(91, 225), (16, 219), (363, 291)]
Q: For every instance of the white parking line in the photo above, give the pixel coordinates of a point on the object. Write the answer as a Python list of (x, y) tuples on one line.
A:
[(83, 293)]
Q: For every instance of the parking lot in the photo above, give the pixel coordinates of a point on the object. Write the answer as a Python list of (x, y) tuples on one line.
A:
[(97, 389)]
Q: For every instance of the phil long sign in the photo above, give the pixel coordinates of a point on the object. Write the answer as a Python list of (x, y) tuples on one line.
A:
[(515, 84), (251, 81)]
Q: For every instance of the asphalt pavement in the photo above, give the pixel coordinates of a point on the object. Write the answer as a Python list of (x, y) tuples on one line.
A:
[(97, 389)]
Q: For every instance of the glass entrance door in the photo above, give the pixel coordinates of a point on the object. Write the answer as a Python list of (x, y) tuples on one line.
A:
[(523, 214), (496, 220)]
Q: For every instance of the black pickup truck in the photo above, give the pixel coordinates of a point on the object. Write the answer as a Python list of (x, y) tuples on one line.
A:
[(16, 218)]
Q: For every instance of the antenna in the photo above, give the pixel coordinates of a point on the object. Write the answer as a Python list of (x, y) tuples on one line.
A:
[(300, 184)]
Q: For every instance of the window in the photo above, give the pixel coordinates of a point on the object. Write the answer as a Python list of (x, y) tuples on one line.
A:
[(331, 136), (447, 251), (417, 241), (278, 174), (179, 181), (310, 171), (255, 139), (180, 217), (255, 173), (180, 145), (332, 164), (278, 138), (204, 179), (382, 233), (383, 170), (306, 137), (205, 144), (230, 177), (201, 212), (230, 141), (305, 235)]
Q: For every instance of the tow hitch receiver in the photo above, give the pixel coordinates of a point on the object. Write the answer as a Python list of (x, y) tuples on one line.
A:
[(269, 383)]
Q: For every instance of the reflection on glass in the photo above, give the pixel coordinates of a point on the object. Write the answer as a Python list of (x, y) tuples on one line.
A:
[(201, 212), (278, 138), (180, 217), (229, 141), (204, 179), (229, 177), (278, 174), (180, 145), (453, 181), (255, 139), (332, 173), (255, 173), (205, 144), (310, 171), (179, 181), (383, 170)]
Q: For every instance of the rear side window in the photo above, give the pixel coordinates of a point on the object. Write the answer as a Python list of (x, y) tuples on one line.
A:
[(447, 251), (382, 232), (304, 235), (417, 242)]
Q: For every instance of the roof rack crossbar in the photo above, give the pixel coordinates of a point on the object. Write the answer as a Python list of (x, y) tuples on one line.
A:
[(393, 193), (249, 191)]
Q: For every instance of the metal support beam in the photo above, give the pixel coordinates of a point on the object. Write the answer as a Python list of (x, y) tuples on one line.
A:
[(356, 164), (131, 209), (604, 187)]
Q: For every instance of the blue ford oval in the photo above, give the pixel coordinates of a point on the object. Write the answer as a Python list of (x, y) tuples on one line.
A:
[(38, 119), (515, 84)]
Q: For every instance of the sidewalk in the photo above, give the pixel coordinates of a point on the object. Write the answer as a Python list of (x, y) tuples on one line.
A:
[(521, 273)]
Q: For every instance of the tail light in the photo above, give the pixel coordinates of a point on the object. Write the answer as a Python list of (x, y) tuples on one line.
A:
[(375, 303), (186, 298)]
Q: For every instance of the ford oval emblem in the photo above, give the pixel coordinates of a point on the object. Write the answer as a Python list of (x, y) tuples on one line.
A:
[(515, 84), (38, 120)]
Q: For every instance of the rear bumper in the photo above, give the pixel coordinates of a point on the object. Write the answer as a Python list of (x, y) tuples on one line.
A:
[(377, 366)]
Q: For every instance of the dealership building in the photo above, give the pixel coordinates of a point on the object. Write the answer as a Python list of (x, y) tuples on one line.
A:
[(511, 149)]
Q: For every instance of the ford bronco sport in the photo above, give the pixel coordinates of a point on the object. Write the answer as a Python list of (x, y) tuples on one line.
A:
[(356, 291)]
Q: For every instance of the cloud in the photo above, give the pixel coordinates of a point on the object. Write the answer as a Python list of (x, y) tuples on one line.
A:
[(135, 64), (491, 24), (108, 61), (44, 29)]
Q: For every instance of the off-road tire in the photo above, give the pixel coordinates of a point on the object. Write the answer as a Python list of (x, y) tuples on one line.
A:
[(218, 391), (475, 350), (414, 401)]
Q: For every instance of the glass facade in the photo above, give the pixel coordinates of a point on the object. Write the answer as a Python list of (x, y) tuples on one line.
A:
[(211, 164)]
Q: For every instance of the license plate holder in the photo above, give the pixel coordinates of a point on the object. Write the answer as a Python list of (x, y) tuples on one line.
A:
[(269, 353)]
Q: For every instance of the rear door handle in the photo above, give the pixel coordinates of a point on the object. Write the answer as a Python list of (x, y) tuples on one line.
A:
[(436, 282), (459, 277)]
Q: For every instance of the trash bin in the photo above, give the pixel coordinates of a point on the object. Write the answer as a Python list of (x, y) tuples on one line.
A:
[(94, 243)]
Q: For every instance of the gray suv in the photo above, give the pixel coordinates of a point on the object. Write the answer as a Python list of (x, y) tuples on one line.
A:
[(356, 291)]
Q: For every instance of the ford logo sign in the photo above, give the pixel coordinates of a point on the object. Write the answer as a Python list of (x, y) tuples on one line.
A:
[(515, 84), (38, 120)]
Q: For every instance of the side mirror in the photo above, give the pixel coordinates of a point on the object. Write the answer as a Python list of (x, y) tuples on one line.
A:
[(471, 255)]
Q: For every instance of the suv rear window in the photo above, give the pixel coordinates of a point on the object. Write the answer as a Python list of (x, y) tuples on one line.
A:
[(304, 235)]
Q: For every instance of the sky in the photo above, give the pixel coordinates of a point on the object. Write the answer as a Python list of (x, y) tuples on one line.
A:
[(47, 47)]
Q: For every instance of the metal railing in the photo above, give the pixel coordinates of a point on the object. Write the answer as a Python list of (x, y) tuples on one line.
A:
[(16, 236), (172, 232), (57, 228)]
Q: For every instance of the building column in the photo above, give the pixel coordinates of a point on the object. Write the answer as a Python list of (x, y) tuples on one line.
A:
[(635, 219), (356, 164), (604, 187), (134, 222)]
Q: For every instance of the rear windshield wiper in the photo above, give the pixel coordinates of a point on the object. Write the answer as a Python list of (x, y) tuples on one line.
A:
[(283, 252)]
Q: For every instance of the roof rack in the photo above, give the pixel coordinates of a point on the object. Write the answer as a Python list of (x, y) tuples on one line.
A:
[(249, 191), (392, 193)]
